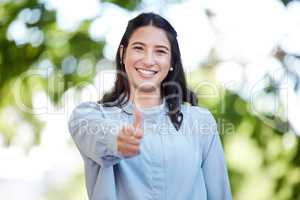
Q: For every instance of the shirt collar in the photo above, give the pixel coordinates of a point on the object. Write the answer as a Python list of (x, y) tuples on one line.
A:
[(128, 107)]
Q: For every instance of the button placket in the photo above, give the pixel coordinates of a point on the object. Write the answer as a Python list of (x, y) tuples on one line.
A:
[(157, 156)]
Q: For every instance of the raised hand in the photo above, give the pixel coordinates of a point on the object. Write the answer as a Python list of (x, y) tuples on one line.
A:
[(130, 136)]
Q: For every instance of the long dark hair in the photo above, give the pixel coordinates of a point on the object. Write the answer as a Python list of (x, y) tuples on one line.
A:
[(173, 87)]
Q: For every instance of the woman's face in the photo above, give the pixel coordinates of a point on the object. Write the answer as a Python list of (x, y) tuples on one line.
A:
[(147, 58)]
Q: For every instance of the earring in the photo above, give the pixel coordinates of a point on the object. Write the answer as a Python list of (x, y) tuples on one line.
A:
[(171, 69)]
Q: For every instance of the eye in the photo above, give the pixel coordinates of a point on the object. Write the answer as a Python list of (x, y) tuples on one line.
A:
[(138, 48), (161, 52)]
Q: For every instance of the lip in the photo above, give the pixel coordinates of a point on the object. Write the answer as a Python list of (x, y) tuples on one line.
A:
[(145, 75), (152, 70)]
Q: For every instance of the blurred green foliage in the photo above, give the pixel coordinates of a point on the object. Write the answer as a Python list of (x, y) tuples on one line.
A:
[(263, 158), (130, 4)]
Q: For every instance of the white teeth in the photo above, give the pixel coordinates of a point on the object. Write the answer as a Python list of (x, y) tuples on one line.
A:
[(146, 72)]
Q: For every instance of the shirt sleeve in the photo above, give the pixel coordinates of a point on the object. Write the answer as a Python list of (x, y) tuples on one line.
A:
[(94, 135), (214, 166)]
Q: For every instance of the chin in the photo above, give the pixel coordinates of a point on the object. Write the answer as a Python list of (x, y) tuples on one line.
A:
[(147, 89), (146, 86)]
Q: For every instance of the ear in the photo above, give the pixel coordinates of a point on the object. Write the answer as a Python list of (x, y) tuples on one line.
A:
[(121, 53)]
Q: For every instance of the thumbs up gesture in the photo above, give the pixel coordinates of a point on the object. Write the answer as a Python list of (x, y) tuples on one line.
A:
[(130, 136)]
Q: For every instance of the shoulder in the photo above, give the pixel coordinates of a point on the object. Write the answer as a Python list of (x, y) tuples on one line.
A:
[(199, 118), (88, 105), (90, 108), (197, 112), (86, 108)]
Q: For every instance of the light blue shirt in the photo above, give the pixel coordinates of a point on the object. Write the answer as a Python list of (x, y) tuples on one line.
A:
[(172, 165)]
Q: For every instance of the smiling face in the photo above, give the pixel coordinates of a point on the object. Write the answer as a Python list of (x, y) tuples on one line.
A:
[(147, 58)]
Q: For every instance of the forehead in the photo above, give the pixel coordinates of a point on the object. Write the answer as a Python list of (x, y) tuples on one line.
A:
[(150, 35)]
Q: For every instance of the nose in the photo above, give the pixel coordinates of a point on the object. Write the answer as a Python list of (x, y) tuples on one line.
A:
[(149, 59)]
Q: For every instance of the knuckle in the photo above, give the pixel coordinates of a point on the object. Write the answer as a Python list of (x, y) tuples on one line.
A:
[(136, 150), (137, 142), (120, 138)]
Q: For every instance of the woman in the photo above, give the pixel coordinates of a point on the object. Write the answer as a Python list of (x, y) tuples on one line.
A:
[(147, 139)]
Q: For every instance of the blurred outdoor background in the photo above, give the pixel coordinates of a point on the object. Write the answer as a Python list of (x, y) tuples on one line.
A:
[(242, 57)]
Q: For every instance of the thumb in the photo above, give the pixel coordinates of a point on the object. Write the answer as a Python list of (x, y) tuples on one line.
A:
[(139, 133), (137, 118)]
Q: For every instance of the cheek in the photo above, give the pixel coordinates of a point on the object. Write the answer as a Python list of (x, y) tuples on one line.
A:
[(132, 58), (129, 63), (166, 64), (166, 60)]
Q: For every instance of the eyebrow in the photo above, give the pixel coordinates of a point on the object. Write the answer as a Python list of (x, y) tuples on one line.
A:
[(160, 46)]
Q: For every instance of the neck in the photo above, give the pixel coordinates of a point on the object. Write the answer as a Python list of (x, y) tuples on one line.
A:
[(145, 99)]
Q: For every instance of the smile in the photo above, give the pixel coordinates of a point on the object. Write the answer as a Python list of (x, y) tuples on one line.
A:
[(146, 72)]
